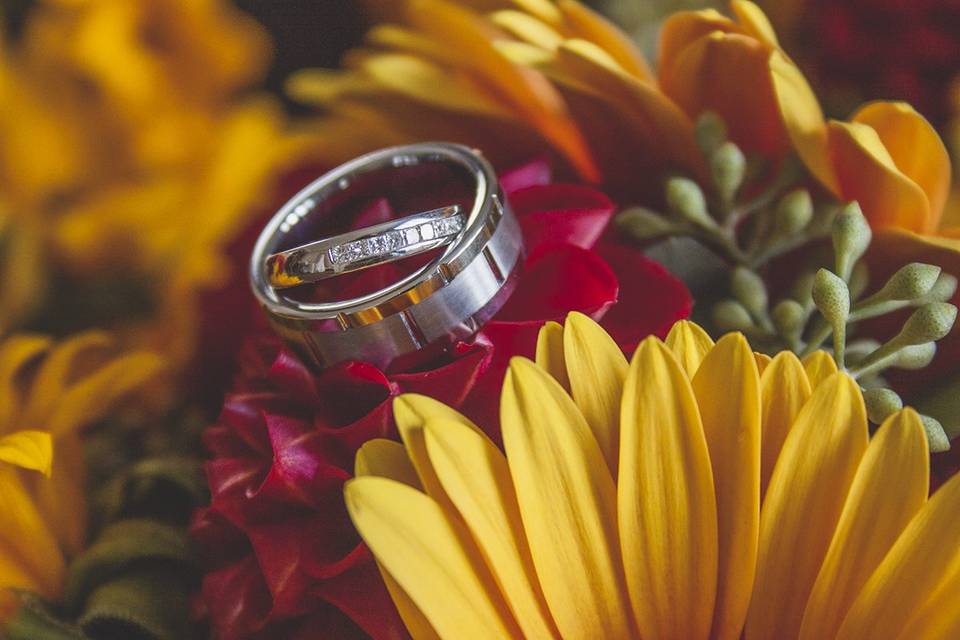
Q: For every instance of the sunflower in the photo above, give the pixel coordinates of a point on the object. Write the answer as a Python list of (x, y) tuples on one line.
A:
[(684, 494)]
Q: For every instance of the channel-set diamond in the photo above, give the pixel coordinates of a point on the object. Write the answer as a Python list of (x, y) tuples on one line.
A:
[(391, 241)]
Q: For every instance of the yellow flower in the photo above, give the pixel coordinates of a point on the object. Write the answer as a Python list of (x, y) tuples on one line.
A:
[(48, 392), (681, 495), (132, 149)]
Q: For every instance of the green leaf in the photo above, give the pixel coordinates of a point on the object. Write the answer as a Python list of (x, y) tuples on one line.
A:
[(151, 604), (166, 488), (123, 546)]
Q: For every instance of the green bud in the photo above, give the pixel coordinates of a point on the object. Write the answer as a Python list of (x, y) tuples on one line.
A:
[(685, 199), (944, 288), (730, 315), (644, 224), (929, 323), (794, 212), (936, 436), (859, 280), (711, 132), (851, 237), (749, 290), (727, 167), (832, 297), (788, 317), (881, 404), (916, 356), (911, 282)]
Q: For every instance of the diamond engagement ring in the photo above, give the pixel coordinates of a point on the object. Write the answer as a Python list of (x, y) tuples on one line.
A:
[(368, 247), (448, 202)]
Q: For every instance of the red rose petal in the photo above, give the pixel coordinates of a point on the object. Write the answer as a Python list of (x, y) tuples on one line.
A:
[(537, 172), (452, 382), (561, 213), (237, 599), (374, 612)]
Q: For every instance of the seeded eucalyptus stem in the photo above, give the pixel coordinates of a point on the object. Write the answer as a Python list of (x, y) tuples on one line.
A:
[(828, 304)]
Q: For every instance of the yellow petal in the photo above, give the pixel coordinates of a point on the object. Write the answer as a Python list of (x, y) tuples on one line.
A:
[(666, 504), (475, 476), (754, 22), (596, 368), (527, 28), (689, 344), (15, 352), (423, 550), (62, 499), (889, 489), (28, 449), (763, 361), (29, 555), (866, 173), (567, 501), (819, 366), (939, 617), (683, 28), (413, 619), (727, 388), (803, 504), (915, 148), (550, 353), (784, 389), (589, 25), (925, 554), (411, 412), (386, 459), (803, 119)]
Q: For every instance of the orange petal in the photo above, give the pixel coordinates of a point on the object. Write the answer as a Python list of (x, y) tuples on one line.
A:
[(916, 149), (754, 22), (819, 366), (585, 23), (866, 173), (784, 389), (682, 29), (728, 73)]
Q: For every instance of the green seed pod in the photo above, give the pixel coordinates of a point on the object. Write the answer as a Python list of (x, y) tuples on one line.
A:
[(788, 317), (832, 297), (794, 212), (727, 168), (851, 237), (929, 323), (685, 199), (910, 282), (916, 356), (881, 404), (711, 132), (730, 315), (936, 436), (748, 288), (644, 224), (944, 288)]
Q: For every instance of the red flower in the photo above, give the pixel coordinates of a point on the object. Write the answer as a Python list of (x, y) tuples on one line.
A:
[(284, 558)]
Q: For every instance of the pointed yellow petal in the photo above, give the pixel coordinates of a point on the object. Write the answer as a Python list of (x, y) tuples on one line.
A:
[(413, 619), (819, 366), (889, 489), (589, 25), (762, 360), (29, 555), (803, 504), (475, 476), (527, 28), (28, 449), (925, 554), (804, 120), (386, 459), (754, 22), (567, 501), (666, 504), (784, 389), (727, 388), (596, 368), (939, 617), (411, 412), (916, 149), (423, 550), (550, 353), (689, 344)]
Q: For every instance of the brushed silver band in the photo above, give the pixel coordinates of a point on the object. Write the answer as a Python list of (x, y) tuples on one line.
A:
[(430, 309)]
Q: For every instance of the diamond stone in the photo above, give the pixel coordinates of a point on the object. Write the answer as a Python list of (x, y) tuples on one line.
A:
[(448, 226), (347, 252)]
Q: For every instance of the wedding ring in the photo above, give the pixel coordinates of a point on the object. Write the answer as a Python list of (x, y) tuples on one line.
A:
[(417, 316), (364, 248)]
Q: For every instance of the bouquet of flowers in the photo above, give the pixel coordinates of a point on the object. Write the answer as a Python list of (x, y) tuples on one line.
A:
[(718, 401)]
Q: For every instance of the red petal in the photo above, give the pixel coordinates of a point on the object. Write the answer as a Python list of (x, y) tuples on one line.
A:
[(374, 612), (237, 599), (651, 299), (452, 382), (537, 172), (561, 213)]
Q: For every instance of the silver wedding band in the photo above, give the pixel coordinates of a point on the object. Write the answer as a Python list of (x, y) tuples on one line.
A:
[(479, 248)]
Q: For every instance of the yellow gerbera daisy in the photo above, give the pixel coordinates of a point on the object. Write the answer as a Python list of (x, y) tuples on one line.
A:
[(682, 495)]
